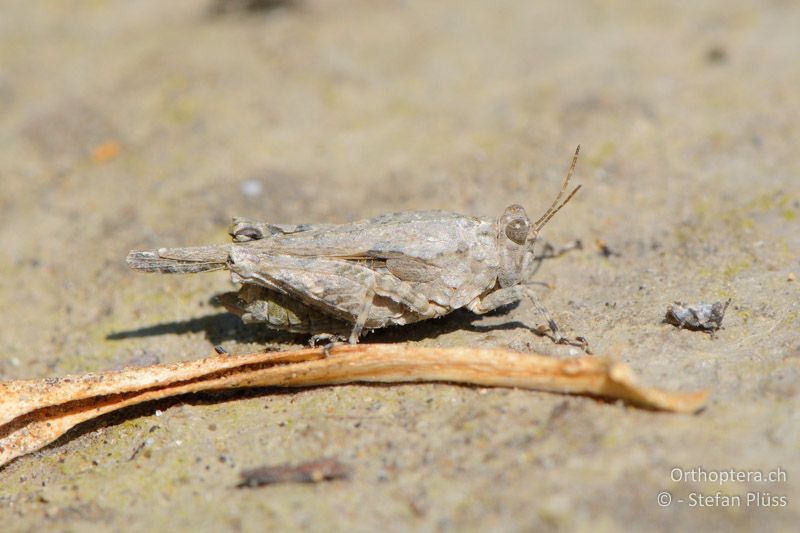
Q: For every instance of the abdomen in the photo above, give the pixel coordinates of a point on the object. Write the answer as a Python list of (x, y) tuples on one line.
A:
[(259, 305)]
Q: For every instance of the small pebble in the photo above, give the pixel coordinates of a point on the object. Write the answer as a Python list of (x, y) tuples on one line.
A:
[(791, 277), (251, 188)]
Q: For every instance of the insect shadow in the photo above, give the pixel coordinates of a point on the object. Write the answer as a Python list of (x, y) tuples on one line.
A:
[(222, 327)]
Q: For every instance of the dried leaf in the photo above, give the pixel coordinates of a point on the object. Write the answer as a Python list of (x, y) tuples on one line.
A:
[(34, 413)]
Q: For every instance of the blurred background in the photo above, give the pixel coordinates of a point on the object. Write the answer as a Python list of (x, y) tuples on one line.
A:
[(145, 124)]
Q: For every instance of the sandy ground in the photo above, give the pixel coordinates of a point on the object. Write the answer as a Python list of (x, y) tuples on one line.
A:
[(143, 124)]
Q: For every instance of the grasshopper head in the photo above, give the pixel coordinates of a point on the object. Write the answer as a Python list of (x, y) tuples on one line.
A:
[(517, 235), (513, 244)]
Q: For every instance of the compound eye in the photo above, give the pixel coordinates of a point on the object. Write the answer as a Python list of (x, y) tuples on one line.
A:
[(517, 230)]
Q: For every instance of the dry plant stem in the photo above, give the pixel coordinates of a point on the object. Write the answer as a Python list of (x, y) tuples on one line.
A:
[(35, 413), (23, 396)]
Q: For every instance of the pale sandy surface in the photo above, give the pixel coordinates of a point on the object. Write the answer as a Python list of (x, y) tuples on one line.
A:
[(689, 115)]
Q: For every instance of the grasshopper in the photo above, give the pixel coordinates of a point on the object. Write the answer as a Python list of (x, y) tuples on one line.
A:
[(334, 281)]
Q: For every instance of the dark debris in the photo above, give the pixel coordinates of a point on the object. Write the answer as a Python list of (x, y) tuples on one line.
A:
[(697, 317), (310, 472)]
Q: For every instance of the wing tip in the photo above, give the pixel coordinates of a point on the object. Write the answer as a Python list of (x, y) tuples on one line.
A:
[(154, 261)]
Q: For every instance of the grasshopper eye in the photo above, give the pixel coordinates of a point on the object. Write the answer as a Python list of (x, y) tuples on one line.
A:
[(517, 230)]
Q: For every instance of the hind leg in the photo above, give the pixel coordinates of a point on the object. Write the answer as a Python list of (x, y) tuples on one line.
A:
[(345, 290)]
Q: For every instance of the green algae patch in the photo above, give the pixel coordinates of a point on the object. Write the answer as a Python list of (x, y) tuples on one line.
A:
[(734, 268)]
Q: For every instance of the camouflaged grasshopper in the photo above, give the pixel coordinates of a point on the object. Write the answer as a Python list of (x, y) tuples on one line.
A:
[(337, 280)]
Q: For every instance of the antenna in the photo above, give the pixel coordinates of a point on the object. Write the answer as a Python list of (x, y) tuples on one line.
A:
[(552, 210)]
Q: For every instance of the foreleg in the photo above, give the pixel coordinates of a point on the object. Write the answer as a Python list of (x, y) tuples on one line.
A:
[(580, 342), (509, 295)]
